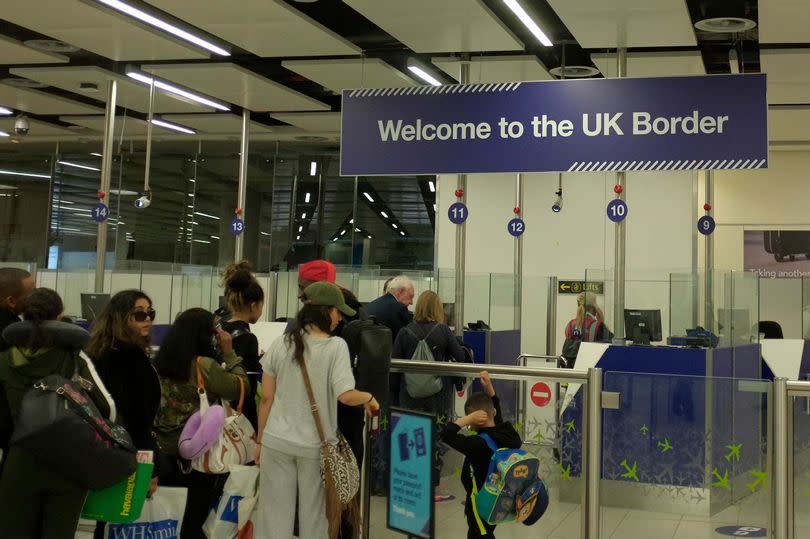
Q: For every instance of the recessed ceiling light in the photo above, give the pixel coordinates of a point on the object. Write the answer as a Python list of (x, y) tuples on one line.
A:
[(574, 72), (96, 154), (172, 89), (123, 192), (424, 75), (368, 197), (77, 165), (201, 214), (6, 112), (432, 186), (313, 168), (384, 214), (173, 126), (19, 82), (26, 174), (528, 22), (725, 25), (50, 45), (8, 188), (151, 20), (306, 198), (4, 134)]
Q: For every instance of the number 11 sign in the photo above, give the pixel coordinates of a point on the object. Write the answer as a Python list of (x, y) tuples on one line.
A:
[(458, 213)]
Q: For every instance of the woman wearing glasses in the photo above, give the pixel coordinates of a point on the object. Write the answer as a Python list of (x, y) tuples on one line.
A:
[(119, 346)]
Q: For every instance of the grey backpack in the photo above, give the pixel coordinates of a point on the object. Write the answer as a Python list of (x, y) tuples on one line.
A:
[(420, 386)]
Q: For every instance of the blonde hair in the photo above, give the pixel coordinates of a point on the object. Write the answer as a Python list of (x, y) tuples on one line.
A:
[(586, 303), (429, 308)]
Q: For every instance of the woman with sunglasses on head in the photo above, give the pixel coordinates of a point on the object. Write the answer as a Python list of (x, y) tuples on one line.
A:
[(119, 347), (192, 342)]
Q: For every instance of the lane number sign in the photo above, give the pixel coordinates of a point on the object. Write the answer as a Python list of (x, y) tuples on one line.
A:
[(237, 226), (458, 213), (100, 212), (516, 227), (706, 225), (617, 210)]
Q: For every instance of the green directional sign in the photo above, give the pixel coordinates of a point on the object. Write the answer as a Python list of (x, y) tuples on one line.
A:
[(575, 287)]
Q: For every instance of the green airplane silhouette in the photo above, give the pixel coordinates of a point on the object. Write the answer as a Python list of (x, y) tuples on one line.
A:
[(632, 473), (645, 429), (761, 478), (734, 452), (722, 481), (569, 427), (538, 437), (665, 445), (441, 420), (566, 472)]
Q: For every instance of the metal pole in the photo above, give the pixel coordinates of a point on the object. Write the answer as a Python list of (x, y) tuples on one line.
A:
[(48, 229), (365, 485), (592, 456), (461, 230), (149, 136), (781, 446), (243, 164), (518, 255), (104, 185), (355, 226), (621, 231), (551, 317), (708, 268)]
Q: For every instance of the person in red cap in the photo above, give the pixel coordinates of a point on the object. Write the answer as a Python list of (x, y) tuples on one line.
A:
[(315, 272)]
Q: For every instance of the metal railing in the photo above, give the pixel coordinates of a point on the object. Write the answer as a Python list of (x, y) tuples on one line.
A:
[(783, 504), (591, 380)]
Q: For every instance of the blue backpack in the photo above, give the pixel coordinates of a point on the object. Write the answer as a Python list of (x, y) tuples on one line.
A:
[(513, 490)]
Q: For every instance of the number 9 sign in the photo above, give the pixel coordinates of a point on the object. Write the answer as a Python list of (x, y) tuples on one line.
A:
[(706, 225), (237, 226)]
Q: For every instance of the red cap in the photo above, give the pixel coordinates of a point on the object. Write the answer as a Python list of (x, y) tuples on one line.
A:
[(317, 270)]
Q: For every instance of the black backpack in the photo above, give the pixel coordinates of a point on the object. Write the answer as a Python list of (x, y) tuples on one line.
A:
[(370, 345)]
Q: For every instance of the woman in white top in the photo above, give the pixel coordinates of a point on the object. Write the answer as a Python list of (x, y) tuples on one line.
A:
[(289, 455)]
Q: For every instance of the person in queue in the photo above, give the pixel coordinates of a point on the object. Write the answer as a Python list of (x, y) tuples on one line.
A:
[(35, 502), (315, 271), (15, 285), (391, 309), (192, 342), (244, 298), (119, 347), (289, 454), (429, 324), (587, 326)]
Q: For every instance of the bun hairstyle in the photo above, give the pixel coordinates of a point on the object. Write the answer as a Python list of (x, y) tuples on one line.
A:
[(41, 305), (241, 287)]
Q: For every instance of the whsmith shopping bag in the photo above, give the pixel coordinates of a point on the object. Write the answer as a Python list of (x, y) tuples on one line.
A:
[(121, 503), (161, 517), (223, 520)]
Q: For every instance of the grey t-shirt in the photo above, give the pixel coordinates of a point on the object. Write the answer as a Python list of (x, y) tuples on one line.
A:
[(291, 427)]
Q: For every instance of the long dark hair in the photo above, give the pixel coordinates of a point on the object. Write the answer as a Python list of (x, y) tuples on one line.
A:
[(241, 287), (314, 315), (112, 327), (190, 336), (41, 305)]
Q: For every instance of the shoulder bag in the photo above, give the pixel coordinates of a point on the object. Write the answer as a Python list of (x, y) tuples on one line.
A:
[(341, 477)]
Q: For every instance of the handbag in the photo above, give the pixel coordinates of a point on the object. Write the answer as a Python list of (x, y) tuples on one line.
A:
[(235, 444), (339, 471), (61, 427)]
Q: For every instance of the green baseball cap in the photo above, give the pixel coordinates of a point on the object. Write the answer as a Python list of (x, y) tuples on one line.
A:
[(327, 294)]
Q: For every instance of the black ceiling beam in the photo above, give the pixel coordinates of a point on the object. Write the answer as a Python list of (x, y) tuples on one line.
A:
[(379, 205)]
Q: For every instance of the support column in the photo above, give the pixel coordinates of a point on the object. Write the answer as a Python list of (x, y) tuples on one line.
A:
[(242, 196), (518, 254), (621, 231), (461, 230), (104, 184), (148, 157), (782, 406), (592, 456), (708, 263)]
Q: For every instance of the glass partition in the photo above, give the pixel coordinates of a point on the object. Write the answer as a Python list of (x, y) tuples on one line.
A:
[(806, 307), (801, 465)]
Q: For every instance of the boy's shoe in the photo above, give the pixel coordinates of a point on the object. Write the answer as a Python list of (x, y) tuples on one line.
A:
[(438, 497)]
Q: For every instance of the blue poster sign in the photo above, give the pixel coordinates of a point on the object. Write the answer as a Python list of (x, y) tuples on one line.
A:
[(410, 475), (457, 213), (586, 125), (100, 212), (742, 531), (516, 227), (617, 210), (706, 225), (237, 226)]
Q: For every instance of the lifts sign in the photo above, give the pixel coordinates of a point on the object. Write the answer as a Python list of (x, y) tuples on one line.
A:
[(593, 125)]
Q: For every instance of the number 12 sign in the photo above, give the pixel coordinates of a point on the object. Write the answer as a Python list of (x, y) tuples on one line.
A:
[(516, 227)]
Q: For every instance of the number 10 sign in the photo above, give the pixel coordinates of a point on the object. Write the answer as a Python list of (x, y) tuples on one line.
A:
[(617, 210)]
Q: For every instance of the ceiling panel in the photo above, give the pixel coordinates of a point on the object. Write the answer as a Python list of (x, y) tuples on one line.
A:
[(263, 27), (131, 95), (338, 75), (311, 121), (14, 52), (237, 85), (37, 128), (97, 30), (37, 102), (783, 21), (653, 64), (215, 123), (497, 68), (455, 26), (126, 125), (788, 73), (789, 124), (627, 23)]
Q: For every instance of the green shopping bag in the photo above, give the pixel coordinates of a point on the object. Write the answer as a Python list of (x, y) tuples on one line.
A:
[(121, 503)]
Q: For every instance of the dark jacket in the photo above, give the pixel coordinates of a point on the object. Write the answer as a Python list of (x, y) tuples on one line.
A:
[(389, 312), (246, 346), (476, 451), (440, 338), (6, 319), (133, 383)]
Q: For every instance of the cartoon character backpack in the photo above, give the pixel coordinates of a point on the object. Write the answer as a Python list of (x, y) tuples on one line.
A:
[(513, 491)]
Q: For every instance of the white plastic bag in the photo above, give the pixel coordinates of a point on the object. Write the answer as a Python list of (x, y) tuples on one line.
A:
[(223, 520), (162, 517)]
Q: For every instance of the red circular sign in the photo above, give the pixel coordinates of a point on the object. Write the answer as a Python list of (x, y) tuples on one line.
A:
[(540, 394)]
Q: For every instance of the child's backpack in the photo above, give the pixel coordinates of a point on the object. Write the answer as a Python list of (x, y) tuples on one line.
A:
[(512, 473)]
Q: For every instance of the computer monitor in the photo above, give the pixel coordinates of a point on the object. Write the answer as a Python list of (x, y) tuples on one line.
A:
[(735, 322), (643, 326), (92, 305)]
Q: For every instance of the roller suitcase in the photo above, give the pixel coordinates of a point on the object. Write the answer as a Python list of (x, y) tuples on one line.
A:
[(783, 244)]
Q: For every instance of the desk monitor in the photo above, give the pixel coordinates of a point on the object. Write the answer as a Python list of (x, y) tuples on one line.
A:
[(642, 326), (733, 322), (92, 305)]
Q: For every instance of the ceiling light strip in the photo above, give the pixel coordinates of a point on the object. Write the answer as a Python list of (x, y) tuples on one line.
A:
[(77, 165), (173, 127), (26, 174), (528, 22), (165, 86)]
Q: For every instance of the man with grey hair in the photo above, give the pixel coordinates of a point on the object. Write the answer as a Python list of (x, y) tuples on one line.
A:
[(391, 309)]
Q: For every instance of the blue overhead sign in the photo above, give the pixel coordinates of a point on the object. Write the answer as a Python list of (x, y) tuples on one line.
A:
[(593, 125)]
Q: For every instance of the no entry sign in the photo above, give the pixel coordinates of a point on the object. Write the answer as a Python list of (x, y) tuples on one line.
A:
[(541, 394)]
